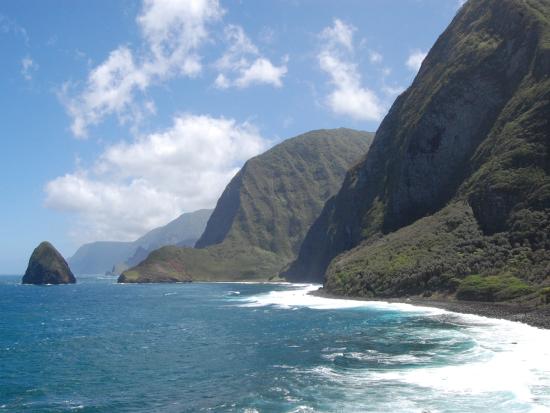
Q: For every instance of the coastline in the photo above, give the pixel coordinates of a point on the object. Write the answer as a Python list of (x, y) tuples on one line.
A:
[(534, 316)]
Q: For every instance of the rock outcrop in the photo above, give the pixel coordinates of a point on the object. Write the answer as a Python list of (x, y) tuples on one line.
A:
[(47, 266)]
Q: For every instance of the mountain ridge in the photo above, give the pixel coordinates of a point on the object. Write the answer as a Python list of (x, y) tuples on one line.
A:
[(469, 139), (107, 256), (265, 211)]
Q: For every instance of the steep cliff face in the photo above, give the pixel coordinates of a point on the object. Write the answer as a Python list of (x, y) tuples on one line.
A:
[(276, 196), (265, 211), (473, 129)]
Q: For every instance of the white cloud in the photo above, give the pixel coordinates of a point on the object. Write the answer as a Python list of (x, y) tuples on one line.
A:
[(415, 59), (133, 187), (261, 71), (242, 65), (375, 57), (340, 34), (348, 96), (172, 33), (28, 66), (222, 82)]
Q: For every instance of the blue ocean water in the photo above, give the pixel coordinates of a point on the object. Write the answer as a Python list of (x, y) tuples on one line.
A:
[(221, 347)]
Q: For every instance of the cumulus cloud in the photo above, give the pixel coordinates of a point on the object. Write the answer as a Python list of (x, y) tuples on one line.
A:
[(348, 96), (134, 187), (28, 67), (172, 33), (242, 65), (415, 59)]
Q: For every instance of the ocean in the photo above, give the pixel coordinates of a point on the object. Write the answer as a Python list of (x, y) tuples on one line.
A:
[(233, 347)]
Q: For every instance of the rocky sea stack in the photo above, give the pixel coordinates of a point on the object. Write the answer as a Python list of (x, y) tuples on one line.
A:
[(47, 266)]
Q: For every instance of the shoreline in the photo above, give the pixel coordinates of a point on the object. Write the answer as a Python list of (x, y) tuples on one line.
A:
[(538, 317)]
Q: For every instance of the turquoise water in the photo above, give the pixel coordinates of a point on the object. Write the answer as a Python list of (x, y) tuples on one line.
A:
[(101, 347)]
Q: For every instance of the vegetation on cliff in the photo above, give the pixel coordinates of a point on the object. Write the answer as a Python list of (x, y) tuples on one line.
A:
[(265, 211), (453, 196)]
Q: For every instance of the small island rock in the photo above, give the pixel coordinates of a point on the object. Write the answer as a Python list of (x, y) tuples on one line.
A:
[(47, 266)]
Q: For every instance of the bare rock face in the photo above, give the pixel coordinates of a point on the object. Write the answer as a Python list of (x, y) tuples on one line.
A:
[(47, 266)]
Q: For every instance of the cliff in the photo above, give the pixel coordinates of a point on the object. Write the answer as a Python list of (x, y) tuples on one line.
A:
[(453, 196), (265, 211)]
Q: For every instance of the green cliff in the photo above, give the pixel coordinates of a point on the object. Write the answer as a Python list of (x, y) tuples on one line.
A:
[(453, 196), (264, 213)]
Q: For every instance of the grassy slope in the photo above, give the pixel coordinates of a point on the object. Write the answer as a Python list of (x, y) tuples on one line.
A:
[(489, 179), (265, 211), (227, 262)]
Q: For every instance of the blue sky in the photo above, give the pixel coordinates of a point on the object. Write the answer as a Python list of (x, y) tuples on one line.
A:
[(117, 116)]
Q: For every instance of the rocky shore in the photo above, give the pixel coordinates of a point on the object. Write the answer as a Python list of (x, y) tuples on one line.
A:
[(536, 316)]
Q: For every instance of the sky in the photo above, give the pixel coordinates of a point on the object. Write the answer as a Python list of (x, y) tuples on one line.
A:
[(116, 116)]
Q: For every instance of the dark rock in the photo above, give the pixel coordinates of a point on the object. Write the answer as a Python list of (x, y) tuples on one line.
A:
[(47, 266)]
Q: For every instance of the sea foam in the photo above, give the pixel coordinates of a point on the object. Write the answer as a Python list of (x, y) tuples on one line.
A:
[(508, 357), (299, 295)]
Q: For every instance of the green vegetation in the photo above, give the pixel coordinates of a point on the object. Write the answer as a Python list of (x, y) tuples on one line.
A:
[(545, 295), (457, 182), (492, 288), (273, 200), (452, 199), (227, 262), (264, 213), (435, 253)]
